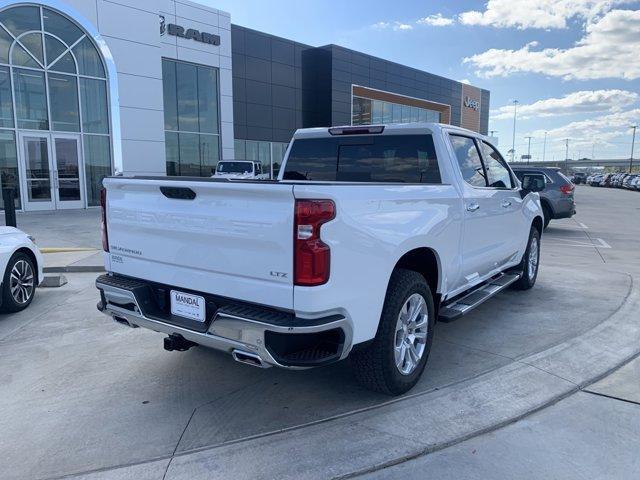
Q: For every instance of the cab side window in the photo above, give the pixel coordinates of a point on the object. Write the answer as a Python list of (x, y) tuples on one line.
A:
[(469, 160), (498, 175)]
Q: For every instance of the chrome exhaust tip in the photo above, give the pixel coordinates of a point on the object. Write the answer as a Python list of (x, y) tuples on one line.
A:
[(123, 321), (248, 358)]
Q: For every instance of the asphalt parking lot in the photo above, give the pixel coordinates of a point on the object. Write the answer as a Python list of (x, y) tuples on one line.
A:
[(83, 395)]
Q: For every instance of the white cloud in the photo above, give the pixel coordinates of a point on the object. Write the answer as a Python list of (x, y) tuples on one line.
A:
[(609, 49), (601, 128), (436, 20), (395, 26), (465, 80), (546, 14), (586, 101)]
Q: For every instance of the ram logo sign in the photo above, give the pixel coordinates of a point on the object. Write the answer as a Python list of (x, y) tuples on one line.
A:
[(188, 33), (470, 103)]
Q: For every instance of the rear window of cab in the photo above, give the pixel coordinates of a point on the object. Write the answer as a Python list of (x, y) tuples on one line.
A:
[(365, 158)]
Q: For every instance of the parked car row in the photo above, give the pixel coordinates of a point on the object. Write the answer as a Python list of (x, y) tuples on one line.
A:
[(630, 181), (578, 178)]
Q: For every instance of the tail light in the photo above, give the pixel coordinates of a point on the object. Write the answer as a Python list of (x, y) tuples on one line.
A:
[(312, 256), (103, 223), (567, 188)]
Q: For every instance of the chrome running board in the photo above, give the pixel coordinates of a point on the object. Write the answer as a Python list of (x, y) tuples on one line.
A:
[(458, 307)]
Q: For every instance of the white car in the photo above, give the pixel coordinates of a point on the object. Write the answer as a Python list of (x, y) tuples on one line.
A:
[(369, 235), (22, 263), (240, 169)]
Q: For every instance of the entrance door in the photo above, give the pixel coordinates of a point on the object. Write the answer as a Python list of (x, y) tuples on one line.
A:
[(36, 177), (67, 174), (52, 175)]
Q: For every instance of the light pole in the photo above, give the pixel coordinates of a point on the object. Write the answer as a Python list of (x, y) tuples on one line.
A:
[(513, 142), (529, 150), (566, 156), (544, 146), (593, 150), (633, 143), (491, 132)]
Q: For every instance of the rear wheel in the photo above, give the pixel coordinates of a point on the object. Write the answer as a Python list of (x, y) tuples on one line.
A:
[(19, 283), (394, 361), (530, 262)]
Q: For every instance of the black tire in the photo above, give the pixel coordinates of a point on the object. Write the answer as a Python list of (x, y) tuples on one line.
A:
[(528, 280), (546, 212), (374, 365), (25, 264)]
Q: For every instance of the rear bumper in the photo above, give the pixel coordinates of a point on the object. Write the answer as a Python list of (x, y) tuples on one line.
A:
[(280, 340)]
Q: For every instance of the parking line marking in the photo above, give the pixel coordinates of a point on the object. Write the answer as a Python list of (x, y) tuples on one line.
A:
[(599, 243), (582, 225)]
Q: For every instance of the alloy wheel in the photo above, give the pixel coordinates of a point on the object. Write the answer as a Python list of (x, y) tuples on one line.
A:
[(21, 282), (533, 257), (412, 328)]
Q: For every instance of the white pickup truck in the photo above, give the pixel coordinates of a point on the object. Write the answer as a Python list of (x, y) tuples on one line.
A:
[(368, 236)]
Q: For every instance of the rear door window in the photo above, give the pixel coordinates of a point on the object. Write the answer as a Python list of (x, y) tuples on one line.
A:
[(469, 160), (383, 158), (498, 175)]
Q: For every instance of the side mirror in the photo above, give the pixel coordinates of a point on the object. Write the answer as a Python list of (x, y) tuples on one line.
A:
[(532, 182)]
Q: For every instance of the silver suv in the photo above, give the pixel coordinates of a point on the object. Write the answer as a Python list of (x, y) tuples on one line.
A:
[(557, 197)]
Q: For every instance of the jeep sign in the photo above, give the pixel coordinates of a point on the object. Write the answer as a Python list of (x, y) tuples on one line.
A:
[(188, 33), (470, 103)]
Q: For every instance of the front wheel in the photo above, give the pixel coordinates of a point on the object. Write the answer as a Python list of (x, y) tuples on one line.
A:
[(530, 262), (19, 283), (394, 361)]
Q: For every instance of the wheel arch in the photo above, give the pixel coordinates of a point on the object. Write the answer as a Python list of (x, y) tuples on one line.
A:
[(538, 224), (28, 252), (546, 203), (425, 261)]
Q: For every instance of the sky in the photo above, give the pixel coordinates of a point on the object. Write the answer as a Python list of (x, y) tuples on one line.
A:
[(572, 65)]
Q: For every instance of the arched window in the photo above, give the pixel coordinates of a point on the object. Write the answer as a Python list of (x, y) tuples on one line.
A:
[(53, 78)]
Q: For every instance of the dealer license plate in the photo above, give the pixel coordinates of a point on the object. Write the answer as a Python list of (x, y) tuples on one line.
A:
[(187, 305)]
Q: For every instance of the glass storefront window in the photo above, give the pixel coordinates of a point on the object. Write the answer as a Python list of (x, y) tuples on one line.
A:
[(63, 91), (33, 43), (367, 111), (31, 99), (97, 162), (5, 44), (269, 154), (19, 20), (172, 153), (406, 113), (6, 107), (376, 116), (207, 100), (60, 27), (89, 62), (9, 165), (191, 118), (387, 116), (396, 113), (95, 117), (51, 95)]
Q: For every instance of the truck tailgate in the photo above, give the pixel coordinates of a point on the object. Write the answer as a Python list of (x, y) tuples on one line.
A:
[(232, 239)]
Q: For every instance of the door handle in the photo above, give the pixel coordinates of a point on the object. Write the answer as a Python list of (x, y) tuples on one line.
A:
[(472, 207), (506, 204)]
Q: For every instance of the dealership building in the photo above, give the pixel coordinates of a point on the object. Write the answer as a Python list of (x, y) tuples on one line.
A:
[(154, 87)]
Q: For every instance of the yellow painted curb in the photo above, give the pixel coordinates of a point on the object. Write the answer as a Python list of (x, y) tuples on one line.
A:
[(66, 250)]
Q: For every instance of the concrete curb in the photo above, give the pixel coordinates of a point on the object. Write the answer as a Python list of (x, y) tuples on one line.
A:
[(75, 269), (371, 439)]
